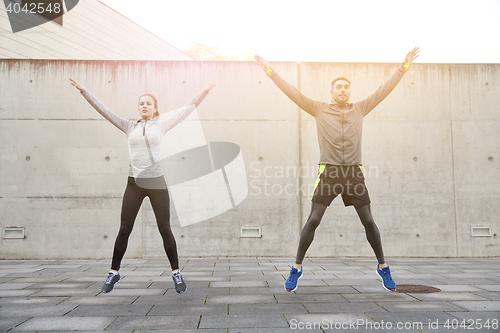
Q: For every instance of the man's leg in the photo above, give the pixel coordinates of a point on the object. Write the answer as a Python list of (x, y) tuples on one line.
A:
[(373, 236), (306, 238), (323, 194), (307, 234), (372, 232)]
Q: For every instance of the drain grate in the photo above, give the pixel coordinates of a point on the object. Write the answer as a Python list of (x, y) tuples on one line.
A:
[(415, 288)]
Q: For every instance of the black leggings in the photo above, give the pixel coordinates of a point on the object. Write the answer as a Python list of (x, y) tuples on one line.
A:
[(132, 200), (317, 212)]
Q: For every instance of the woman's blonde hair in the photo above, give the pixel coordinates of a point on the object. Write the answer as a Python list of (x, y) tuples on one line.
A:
[(156, 115)]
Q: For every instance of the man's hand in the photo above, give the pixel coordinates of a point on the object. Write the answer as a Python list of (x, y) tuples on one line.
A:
[(76, 84), (262, 62), (412, 55)]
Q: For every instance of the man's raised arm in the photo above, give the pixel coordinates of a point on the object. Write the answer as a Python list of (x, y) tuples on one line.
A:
[(303, 102), (385, 89)]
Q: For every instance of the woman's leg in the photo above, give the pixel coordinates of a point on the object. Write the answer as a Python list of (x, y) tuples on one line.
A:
[(132, 200), (372, 232), (161, 207)]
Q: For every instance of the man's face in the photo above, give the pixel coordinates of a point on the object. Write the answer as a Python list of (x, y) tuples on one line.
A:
[(341, 91)]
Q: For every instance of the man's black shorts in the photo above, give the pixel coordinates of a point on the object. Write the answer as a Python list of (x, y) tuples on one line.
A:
[(347, 181)]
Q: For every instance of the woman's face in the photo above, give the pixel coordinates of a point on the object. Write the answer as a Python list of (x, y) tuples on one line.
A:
[(146, 107)]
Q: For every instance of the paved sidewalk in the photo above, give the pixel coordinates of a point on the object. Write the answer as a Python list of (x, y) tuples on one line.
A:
[(230, 295)]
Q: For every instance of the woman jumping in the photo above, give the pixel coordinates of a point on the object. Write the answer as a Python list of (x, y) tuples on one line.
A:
[(146, 177)]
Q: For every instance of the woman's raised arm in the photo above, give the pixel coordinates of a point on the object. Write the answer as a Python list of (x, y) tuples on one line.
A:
[(120, 122)]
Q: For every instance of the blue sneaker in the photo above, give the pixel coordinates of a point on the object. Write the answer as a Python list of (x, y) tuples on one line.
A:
[(387, 281), (293, 279)]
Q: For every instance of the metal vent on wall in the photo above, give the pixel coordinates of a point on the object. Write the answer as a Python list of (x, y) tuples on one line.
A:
[(13, 233), (480, 231), (251, 232)]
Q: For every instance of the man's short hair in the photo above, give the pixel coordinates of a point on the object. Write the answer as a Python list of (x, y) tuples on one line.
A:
[(340, 78)]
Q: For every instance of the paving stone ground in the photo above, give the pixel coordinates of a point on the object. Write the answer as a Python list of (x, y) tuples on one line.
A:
[(246, 295)]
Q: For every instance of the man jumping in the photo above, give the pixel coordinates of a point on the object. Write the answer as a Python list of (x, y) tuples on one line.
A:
[(339, 125)]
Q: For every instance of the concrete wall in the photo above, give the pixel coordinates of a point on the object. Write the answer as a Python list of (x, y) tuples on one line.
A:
[(430, 151), (90, 31)]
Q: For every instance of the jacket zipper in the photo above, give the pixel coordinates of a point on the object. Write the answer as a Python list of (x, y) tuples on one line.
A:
[(144, 128), (343, 141)]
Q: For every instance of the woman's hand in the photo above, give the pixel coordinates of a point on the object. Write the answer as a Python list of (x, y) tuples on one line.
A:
[(76, 84), (211, 85)]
